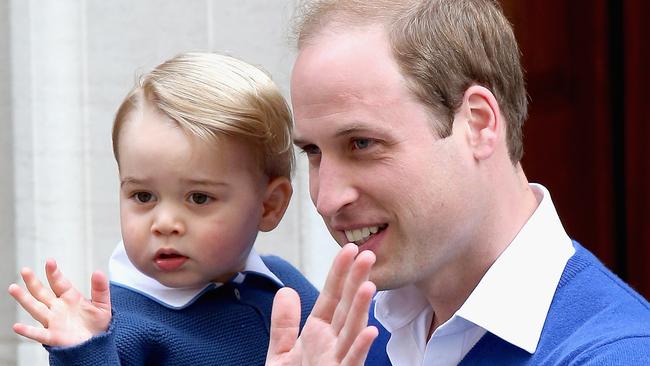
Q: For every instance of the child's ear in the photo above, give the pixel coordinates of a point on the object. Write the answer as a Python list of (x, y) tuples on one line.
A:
[(276, 200)]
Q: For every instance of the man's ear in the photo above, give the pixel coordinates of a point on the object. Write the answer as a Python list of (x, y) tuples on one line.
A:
[(276, 200), (484, 121)]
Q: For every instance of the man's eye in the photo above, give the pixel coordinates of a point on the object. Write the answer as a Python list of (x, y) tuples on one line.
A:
[(310, 149), (199, 198), (360, 144), (143, 197)]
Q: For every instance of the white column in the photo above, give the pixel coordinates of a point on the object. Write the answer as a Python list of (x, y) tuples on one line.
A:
[(48, 63), (8, 269)]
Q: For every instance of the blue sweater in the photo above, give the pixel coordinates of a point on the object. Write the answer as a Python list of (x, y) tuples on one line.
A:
[(594, 319), (227, 325)]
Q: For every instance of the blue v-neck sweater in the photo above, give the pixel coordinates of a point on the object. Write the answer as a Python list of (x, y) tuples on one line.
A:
[(594, 319)]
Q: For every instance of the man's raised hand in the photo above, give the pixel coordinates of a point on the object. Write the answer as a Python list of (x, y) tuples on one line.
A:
[(337, 331)]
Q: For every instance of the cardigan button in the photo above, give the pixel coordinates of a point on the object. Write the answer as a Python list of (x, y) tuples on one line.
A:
[(237, 294)]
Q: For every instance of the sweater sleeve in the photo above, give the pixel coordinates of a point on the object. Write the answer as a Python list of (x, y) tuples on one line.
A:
[(99, 350), (625, 351)]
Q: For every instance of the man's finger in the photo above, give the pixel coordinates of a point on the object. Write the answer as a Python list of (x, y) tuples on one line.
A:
[(285, 322), (360, 348), (359, 273), (356, 320), (100, 293), (55, 278), (333, 289)]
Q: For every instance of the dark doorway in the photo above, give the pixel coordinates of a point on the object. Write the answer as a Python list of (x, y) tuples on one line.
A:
[(587, 135)]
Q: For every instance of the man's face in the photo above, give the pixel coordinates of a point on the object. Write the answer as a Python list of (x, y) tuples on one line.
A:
[(378, 174)]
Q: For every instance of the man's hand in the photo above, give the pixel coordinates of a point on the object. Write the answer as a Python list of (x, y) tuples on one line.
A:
[(337, 331), (68, 318)]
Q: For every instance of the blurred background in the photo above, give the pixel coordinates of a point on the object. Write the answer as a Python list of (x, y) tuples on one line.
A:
[(66, 65), (586, 139)]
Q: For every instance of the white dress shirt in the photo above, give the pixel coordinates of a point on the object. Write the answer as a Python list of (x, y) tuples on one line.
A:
[(124, 274), (511, 300)]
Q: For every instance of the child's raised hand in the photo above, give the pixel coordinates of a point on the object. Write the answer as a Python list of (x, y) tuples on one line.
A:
[(68, 318)]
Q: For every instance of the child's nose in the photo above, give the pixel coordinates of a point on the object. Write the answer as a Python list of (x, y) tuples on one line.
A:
[(167, 222)]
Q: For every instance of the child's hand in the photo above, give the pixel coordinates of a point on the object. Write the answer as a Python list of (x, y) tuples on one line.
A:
[(68, 318), (337, 331)]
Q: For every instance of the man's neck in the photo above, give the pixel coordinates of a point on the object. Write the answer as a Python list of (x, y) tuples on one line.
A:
[(447, 290)]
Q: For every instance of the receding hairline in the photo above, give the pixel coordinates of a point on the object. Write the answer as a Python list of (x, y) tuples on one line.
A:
[(315, 17)]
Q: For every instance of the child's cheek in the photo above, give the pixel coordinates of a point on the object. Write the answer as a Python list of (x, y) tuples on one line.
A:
[(213, 236), (224, 240), (134, 230)]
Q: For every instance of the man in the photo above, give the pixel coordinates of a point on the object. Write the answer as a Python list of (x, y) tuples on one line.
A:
[(411, 114)]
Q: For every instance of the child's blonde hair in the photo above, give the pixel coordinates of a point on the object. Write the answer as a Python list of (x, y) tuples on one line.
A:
[(214, 96)]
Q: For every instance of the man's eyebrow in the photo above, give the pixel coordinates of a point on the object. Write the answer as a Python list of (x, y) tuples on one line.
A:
[(359, 129), (346, 131), (299, 142)]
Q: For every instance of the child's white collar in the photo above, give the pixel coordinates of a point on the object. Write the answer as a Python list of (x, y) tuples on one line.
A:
[(124, 274)]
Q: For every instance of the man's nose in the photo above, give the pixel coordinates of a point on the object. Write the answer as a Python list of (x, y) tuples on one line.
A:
[(332, 187), (167, 221)]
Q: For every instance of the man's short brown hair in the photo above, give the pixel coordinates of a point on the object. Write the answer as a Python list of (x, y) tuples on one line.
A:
[(442, 47)]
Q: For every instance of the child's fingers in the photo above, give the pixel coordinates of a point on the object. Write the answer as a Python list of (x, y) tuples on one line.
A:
[(329, 298), (38, 311), (36, 288), (356, 319), (100, 293), (55, 278), (359, 273), (40, 335), (285, 322)]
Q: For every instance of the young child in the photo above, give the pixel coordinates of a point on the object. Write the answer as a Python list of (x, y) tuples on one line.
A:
[(203, 146)]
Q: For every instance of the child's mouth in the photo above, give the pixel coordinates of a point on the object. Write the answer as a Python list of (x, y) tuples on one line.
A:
[(169, 261)]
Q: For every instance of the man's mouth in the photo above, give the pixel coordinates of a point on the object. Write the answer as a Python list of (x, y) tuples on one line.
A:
[(362, 235)]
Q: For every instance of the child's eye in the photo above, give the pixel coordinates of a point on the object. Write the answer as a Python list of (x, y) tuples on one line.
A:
[(199, 198), (143, 197), (361, 143)]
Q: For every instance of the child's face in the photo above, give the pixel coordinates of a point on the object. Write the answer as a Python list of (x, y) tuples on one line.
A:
[(190, 209)]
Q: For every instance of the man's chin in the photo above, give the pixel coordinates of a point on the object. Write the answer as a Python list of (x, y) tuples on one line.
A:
[(384, 280)]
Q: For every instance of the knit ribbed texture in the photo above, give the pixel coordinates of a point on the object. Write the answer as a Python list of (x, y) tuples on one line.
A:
[(377, 355), (228, 325), (594, 319)]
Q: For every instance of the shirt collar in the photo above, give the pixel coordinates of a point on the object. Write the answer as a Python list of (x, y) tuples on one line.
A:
[(513, 307), (513, 298), (124, 274)]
